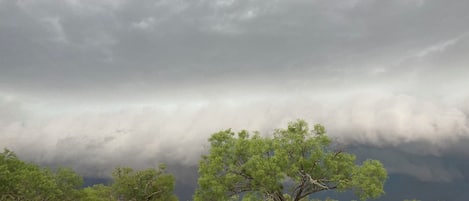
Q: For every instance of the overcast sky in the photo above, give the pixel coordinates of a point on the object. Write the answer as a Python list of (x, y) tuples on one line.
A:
[(95, 84)]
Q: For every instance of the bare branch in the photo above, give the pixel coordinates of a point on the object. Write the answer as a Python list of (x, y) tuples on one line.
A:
[(153, 194)]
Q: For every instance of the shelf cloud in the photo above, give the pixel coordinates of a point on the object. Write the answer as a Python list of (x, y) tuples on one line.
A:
[(99, 84)]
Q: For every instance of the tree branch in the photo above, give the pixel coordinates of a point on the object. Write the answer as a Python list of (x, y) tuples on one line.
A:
[(152, 194), (299, 189), (306, 193), (317, 185)]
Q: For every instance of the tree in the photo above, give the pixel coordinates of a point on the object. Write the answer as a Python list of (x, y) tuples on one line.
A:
[(20, 180), (292, 165), (26, 181), (98, 192), (145, 185), (69, 184), (9, 164)]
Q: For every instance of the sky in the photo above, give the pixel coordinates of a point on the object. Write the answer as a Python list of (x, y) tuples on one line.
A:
[(99, 84)]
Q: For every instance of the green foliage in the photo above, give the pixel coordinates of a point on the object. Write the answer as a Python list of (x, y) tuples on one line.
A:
[(25, 181), (296, 161), (98, 192), (145, 185), (69, 184)]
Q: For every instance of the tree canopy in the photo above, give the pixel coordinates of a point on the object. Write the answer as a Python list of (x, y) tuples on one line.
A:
[(146, 185), (293, 164), (20, 180)]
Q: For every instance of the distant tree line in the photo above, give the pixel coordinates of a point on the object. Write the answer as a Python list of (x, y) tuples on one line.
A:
[(20, 181), (291, 165)]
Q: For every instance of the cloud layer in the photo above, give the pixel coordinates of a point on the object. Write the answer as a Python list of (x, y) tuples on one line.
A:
[(97, 140), (97, 84), (123, 45)]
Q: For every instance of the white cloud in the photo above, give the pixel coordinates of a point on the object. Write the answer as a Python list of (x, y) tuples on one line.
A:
[(223, 3), (437, 48), (249, 14), (397, 119), (134, 136), (145, 23)]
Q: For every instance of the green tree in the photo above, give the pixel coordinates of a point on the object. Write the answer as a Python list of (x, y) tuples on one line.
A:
[(293, 164), (69, 184), (9, 165), (27, 181), (98, 192), (24, 181), (145, 185)]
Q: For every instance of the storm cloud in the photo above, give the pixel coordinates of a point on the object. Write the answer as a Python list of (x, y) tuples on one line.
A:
[(99, 84)]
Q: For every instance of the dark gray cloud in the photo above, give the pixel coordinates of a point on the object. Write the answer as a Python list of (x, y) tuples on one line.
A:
[(97, 84), (116, 44)]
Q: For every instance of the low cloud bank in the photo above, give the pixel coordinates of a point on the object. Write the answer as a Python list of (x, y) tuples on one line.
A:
[(96, 141)]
